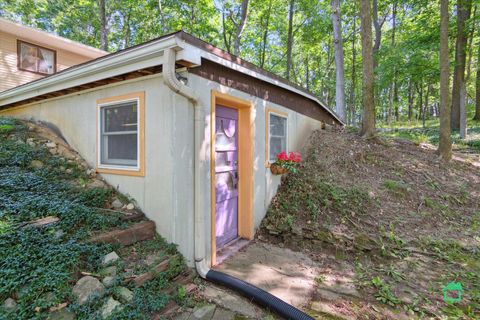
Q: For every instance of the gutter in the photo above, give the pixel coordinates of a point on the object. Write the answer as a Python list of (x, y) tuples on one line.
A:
[(253, 293)]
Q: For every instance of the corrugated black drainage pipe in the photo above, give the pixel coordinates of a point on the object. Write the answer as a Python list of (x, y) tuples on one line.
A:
[(258, 295)]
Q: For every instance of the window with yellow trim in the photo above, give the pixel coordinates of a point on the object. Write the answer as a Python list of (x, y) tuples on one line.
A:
[(119, 134), (277, 135)]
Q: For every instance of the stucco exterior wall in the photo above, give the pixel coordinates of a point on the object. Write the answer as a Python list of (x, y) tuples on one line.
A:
[(11, 77), (166, 193)]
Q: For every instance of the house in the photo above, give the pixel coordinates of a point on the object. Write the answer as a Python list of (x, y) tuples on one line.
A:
[(27, 54), (184, 128)]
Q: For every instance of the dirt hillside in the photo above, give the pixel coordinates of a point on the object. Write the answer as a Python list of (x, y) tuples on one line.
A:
[(388, 220)]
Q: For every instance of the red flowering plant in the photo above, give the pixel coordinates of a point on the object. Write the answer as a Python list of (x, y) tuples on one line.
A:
[(288, 162)]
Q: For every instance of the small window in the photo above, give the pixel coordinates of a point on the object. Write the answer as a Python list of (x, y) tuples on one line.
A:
[(277, 135), (36, 59), (121, 134)]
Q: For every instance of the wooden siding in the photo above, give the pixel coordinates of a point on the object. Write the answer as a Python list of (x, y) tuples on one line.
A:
[(11, 77)]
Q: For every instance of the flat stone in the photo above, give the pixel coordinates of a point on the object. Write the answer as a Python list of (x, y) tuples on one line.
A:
[(117, 204), (10, 305), (203, 313), (130, 206), (59, 234), (232, 302), (223, 314), (37, 164), (279, 271), (109, 271), (108, 281), (109, 307), (61, 315), (110, 258), (328, 295), (326, 309), (87, 288), (124, 294)]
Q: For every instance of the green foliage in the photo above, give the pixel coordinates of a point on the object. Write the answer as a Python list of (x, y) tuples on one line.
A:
[(312, 197), (384, 293), (39, 265)]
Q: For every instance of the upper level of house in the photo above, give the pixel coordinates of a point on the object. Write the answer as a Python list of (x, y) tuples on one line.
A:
[(27, 54)]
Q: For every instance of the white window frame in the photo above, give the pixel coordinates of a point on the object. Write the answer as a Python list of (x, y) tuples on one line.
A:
[(281, 115), (100, 107)]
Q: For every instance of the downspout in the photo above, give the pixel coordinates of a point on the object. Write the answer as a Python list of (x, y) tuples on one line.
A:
[(255, 294), (173, 83)]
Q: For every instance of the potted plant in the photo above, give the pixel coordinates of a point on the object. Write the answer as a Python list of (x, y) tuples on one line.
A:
[(285, 163)]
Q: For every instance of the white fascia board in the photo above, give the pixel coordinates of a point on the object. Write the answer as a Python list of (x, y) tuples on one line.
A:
[(231, 65), (145, 56)]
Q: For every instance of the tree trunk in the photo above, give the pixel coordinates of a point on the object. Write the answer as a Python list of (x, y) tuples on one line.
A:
[(354, 58), (339, 60), (103, 26), (240, 27), (410, 100), (226, 38), (368, 121), (463, 13), (394, 82), (265, 36), (290, 39), (477, 87), (445, 143), (378, 33)]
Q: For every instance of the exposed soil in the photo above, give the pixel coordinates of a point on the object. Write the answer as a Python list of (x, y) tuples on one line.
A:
[(389, 224)]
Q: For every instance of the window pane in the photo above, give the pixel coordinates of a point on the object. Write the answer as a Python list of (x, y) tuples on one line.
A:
[(277, 145), (277, 125), (119, 149), (46, 61), (28, 57), (121, 117)]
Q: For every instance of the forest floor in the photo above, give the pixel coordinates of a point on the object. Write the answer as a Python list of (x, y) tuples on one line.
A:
[(394, 231)]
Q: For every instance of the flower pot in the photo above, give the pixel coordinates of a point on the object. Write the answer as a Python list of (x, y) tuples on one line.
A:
[(277, 170)]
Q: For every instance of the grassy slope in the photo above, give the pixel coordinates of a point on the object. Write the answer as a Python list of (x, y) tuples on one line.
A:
[(39, 266), (403, 223)]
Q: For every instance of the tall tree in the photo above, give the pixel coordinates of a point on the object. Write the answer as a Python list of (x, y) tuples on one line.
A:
[(291, 11), (477, 87), (445, 144), (103, 26), (339, 59), (368, 121), (463, 14), (240, 26)]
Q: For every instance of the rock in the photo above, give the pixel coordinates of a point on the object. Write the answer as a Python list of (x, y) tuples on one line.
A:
[(108, 281), (109, 307), (9, 305), (328, 295), (222, 314), (61, 168), (37, 164), (130, 206), (61, 315), (30, 142), (109, 271), (59, 234), (53, 151), (50, 144), (87, 288), (68, 171), (203, 313), (110, 258), (117, 204), (124, 294), (96, 184), (91, 172)]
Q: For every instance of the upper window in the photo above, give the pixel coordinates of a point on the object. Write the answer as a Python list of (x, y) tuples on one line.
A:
[(36, 59), (277, 134), (120, 134)]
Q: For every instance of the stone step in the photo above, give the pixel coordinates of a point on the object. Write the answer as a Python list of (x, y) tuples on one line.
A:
[(138, 232)]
